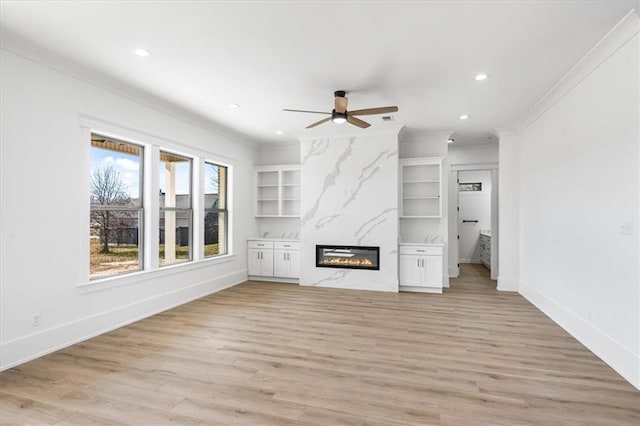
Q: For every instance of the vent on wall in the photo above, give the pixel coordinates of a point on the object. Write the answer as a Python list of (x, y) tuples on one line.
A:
[(387, 118)]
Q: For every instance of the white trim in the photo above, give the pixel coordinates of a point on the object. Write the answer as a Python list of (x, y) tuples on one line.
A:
[(26, 348), (454, 272), (614, 40), (474, 261), (138, 277), (473, 167), (508, 284), (617, 356), (275, 279), (406, 288)]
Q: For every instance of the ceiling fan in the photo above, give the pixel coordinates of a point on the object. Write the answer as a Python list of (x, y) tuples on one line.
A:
[(340, 114)]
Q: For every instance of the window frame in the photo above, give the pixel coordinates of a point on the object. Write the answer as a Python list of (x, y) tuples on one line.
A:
[(190, 209), (139, 208), (218, 210)]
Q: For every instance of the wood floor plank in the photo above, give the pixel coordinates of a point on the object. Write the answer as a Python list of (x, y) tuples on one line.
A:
[(271, 353)]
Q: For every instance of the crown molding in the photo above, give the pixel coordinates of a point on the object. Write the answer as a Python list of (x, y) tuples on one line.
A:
[(616, 38)]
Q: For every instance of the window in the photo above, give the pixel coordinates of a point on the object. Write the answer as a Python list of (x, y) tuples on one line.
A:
[(115, 185), (215, 210), (471, 186), (175, 208)]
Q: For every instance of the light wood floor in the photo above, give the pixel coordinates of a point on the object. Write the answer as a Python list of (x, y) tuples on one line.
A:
[(264, 353)]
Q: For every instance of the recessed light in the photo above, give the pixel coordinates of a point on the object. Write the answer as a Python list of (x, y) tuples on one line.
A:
[(481, 77), (142, 52), (279, 132), (234, 106), (464, 117), (451, 140)]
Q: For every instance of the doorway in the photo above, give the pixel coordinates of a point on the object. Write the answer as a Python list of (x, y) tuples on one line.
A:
[(476, 221)]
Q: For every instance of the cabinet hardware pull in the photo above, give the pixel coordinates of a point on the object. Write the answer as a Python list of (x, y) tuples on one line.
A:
[(465, 221), (421, 251)]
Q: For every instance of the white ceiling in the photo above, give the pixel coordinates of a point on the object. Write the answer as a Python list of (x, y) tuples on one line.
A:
[(266, 56)]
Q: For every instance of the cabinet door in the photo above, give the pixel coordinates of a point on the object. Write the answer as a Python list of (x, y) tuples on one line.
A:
[(254, 262), (294, 264), (266, 268), (411, 271), (433, 271), (281, 263)]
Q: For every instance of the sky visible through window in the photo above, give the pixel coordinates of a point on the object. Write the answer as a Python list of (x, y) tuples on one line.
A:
[(128, 167)]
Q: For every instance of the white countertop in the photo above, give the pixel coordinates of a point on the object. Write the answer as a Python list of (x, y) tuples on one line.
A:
[(273, 239), (486, 232)]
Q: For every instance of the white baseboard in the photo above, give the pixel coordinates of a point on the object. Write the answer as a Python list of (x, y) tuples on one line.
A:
[(421, 289), (618, 357), (476, 261), (275, 279), (508, 284), (26, 348), (454, 272)]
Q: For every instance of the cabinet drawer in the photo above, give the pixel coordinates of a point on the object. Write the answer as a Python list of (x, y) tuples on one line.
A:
[(287, 245), (421, 250), (252, 244)]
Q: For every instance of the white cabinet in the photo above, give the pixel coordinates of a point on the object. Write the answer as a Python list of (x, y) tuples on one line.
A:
[(260, 258), (279, 259), (421, 188), (278, 191), (287, 260), (421, 268)]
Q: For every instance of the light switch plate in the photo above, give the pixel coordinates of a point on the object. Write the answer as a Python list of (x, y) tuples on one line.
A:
[(626, 228)]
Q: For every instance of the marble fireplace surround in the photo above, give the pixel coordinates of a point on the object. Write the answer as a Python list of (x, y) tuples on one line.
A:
[(349, 197)]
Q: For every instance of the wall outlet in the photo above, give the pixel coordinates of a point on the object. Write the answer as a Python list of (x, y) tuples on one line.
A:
[(35, 321), (626, 229)]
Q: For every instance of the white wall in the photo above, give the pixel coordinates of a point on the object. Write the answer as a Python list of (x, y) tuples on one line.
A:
[(474, 205), (45, 227), (350, 197), (270, 155), (578, 166)]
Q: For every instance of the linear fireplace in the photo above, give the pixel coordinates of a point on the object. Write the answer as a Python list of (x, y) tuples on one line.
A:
[(348, 257)]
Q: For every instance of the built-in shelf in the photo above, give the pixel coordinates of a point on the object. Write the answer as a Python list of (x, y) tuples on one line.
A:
[(420, 192), (278, 191)]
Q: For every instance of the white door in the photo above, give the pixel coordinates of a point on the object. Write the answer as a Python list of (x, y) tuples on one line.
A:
[(474, 214), (294, 264), (281, 263), (433, 271), (411, 270), (254, 262), (266, 267)]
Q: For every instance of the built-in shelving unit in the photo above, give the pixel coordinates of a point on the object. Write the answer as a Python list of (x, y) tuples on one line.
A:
[(278, 191), (421, 188)]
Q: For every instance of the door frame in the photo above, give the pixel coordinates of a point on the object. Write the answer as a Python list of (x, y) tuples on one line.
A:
[(454, 251)]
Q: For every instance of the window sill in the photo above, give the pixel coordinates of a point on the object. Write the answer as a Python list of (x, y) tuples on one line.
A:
[(143, 276)]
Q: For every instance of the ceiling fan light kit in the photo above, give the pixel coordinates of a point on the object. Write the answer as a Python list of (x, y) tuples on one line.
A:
[(340, 115)]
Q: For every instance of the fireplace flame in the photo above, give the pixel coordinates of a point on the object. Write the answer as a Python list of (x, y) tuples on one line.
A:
[(346, 261)]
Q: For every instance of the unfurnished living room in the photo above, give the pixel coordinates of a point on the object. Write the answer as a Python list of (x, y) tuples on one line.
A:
[(320, 212)]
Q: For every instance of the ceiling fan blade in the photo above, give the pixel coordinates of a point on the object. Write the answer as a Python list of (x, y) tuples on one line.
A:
[(357, 122), (324, 120), (311, 112), (372, 111), (341, 104)]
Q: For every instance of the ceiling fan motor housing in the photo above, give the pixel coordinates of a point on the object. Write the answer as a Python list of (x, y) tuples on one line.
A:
[(339, 93)]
